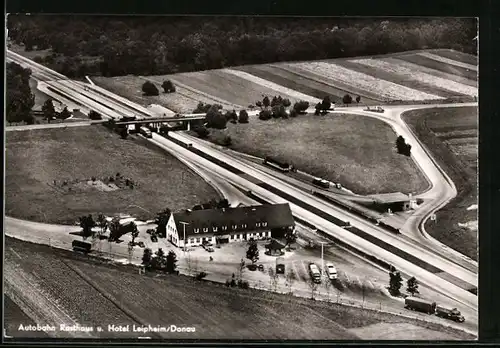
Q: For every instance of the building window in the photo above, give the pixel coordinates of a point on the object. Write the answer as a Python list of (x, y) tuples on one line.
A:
[(191, 240), (205, 229), (197, 240), (244, 226), (214, 229), (224, 228), (264, 224), (196, 230), (257, 224)]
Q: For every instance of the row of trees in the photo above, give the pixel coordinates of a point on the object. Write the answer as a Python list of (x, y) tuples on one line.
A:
[(116, 230), (396, 282), (155, 46), (159, 261), (402, 147)]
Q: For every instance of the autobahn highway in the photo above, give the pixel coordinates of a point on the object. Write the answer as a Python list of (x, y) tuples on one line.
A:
[(93, 97)]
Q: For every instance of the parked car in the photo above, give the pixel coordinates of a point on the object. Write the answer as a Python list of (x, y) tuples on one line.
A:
[(314, 273), (209, 249), (331, 271), (261, 267)]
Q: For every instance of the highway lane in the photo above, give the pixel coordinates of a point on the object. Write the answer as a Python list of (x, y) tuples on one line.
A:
[(47, 126), (308, 198), (307, 187), (429, 279)]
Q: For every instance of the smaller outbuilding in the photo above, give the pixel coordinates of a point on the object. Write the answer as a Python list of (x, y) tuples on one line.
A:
[(275, 248)]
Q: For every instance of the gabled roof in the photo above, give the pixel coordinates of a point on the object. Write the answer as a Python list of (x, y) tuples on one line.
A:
[(275, 215), (275, 245)]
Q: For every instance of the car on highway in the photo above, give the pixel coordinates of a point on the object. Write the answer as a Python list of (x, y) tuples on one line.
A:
[(146, 132), (331, 271)]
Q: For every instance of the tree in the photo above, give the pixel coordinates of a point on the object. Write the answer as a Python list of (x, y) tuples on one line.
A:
[(259, 104), (161, 221), (253, 252), (215, 119), (87, 223), (171, 262), (293, 113), (168, 86), (19, 98), (301, 106), (273, 279), (395, 283), (65, 113), (347, 99), (159, 260), (48, 110), (266, 102), (94, 115), (358, 99), (226, 141), (149, 89), (326, 104), (412, 286), (147, 257), (313, 286), (114, 229), (123, 131), (103, 225), (265, 115), (243, 117), (290, 279), (317, 109), (134, 232), (286, 102), (275, 101), (290, 237), (241, 269)]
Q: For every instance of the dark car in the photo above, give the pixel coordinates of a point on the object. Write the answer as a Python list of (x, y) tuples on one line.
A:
[(261, 267)]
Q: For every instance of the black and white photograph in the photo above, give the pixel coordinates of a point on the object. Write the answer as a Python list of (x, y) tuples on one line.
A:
[(241, 178)]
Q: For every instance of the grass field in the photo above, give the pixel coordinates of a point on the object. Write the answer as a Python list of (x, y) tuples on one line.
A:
[(34, 159), (451, 136), (337, 147), (94, 293)]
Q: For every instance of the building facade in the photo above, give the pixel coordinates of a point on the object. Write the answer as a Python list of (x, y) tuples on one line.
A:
[(228, 225)]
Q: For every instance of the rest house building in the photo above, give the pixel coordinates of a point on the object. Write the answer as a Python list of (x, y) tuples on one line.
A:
[(229, 224)]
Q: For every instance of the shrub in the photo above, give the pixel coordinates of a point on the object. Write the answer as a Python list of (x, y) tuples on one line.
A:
[(149, 89), (243, 117), (201, 275), (94, 115), (265, 115)]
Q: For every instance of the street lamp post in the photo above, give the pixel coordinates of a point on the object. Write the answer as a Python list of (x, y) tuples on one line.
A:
[(184, 228), (322, 260)]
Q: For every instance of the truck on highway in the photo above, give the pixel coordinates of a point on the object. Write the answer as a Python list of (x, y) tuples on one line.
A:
[(430, 307), (315, 273), (421, 305), (452, 314), (81, 246)]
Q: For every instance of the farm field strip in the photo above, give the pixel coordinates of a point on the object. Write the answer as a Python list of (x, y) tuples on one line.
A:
[(235, 80), (194, 95), (292, 81), (419, 76), (434, 72), (407, 80), (425, 62), (447, 60), (359, 80), (341, 87), (273, 86), (200, 87), (457, 56)]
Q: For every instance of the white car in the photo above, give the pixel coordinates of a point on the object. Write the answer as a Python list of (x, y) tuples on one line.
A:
[(331, 271)]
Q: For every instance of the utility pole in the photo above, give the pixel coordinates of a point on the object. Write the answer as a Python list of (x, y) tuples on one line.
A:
[(184, 228)]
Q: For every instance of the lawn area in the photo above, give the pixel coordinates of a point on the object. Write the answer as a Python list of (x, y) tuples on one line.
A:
[(338, 147), (451, 136), (105, 293), (34, 159)]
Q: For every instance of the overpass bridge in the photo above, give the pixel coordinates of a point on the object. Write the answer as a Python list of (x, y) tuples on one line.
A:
[(159, 121)]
